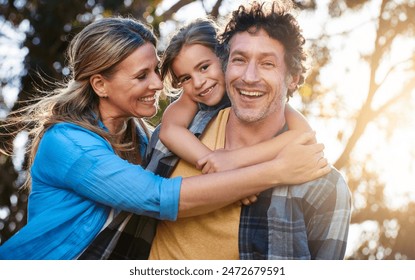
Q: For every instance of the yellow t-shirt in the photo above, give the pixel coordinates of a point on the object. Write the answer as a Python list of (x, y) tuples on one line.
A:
[(211, 236)]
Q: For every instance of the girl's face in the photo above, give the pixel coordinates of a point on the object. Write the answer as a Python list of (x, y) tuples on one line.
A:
[(200, 74), (132, 90)]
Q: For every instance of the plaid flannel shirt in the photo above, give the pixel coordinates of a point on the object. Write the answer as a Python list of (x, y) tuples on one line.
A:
[(307, 221)]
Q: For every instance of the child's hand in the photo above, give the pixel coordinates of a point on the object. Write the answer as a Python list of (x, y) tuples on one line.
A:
[(220, 160), (249, 200), (216, 161)]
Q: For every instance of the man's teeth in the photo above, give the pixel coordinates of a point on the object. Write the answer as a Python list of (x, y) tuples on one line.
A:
[(209, 90), (251, 93), (148, 98)]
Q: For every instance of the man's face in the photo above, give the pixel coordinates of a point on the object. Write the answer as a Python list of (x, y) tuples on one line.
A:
[(256, 76)]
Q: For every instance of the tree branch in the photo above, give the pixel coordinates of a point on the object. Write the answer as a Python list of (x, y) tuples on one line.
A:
[(405, 92), (173, 9), (215, 10), (393, 68), (367, 115)]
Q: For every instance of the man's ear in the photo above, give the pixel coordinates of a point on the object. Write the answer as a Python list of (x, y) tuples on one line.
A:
[(97, 82), (293, 82)]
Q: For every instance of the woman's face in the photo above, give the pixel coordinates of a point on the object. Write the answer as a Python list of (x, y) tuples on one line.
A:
[(200, 74), (132, 90)]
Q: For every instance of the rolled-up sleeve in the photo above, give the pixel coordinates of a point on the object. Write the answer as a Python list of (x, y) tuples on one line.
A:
[(86, 164)]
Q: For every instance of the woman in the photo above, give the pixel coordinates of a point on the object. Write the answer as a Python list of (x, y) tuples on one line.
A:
[(88, 144)]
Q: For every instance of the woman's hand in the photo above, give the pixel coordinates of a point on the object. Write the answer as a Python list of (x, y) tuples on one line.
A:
[(300, 161)]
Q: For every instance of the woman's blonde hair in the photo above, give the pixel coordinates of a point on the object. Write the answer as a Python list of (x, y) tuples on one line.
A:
[(97, 49)]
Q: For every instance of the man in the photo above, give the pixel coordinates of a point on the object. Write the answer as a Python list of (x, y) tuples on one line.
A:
[(264, 65)]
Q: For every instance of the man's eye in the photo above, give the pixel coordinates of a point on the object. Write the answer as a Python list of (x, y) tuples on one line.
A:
[(237, 60), (268, 64)]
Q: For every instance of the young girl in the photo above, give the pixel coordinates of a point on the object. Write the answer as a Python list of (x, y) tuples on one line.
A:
[(191, 64)]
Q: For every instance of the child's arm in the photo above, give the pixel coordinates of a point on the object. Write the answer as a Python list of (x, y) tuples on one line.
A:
[(177, 138), (221, 160), (295, 120), (174, 133)]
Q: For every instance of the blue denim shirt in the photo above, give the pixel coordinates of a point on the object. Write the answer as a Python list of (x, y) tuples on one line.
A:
[(76, 180)]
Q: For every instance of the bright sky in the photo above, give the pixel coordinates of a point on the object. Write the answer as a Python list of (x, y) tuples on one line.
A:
[(393, 157), (11, 64)]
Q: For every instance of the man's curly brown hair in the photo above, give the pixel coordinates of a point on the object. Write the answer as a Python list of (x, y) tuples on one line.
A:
[(275, 18)]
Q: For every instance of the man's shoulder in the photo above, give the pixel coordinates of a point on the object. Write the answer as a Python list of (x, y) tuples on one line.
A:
[(331, 187), (333, 179), (327, 192), (333, 182)]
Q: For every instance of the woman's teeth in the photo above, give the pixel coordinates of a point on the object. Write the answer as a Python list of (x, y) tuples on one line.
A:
[(148, 98)]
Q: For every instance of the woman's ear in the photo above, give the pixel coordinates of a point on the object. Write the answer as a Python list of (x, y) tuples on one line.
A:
[(97, 82)]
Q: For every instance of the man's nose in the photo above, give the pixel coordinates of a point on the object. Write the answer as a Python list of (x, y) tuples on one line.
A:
[(251, 73)]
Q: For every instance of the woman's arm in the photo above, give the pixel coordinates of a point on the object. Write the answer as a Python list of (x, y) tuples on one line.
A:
[(222, 160), (297, 162), (174, 133), (71, 157)]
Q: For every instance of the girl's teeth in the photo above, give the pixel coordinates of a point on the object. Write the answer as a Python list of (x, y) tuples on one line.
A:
[(207, 91)]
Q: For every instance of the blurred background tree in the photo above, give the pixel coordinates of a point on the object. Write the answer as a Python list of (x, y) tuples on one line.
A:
[(34, 35)]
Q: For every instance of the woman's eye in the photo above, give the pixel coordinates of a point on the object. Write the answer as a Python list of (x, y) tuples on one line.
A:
[(184, 80), (142, 76)]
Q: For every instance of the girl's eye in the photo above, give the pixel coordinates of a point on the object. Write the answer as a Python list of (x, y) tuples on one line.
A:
[(204, 67), (184, 80)]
